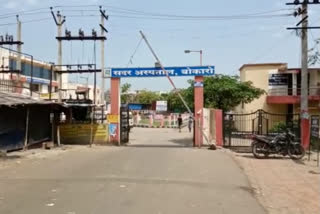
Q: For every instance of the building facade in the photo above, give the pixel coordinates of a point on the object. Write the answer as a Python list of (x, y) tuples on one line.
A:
[(282, 86), (21, 82)]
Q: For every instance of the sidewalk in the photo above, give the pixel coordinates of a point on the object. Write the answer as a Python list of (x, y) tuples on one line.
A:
[(283, 186)]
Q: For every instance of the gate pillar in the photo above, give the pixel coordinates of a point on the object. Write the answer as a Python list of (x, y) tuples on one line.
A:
[(198, 108), (115, 107)]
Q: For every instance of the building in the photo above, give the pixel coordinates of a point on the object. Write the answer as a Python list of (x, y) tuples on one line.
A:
[(21, 119), (282, 86), (21, 83)]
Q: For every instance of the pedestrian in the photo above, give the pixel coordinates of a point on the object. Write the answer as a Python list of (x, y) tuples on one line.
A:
[(179, 122), (190, 123)]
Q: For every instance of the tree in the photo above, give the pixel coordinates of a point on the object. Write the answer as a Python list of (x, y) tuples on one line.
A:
[(174, 102), (125, 97), (225, 92), (147, 97)]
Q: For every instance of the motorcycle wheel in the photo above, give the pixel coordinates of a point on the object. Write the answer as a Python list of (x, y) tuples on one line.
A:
[(259, 150), (296, 152)]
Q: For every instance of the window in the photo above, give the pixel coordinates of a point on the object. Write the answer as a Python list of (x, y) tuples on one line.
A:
[(46, 74), (35, 87)]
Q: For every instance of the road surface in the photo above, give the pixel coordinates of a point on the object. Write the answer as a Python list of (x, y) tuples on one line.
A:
[(158, 173)]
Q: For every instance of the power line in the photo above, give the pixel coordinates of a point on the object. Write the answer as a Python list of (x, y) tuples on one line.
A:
[(134, 52), (129, 13), (27, 21)]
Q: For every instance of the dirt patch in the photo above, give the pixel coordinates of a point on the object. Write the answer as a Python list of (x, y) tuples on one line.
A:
[(283, 186)]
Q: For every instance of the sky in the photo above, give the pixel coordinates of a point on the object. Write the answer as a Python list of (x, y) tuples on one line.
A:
[(226, 43)]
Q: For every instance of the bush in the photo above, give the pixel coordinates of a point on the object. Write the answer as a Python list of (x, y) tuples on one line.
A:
[(279, 127)]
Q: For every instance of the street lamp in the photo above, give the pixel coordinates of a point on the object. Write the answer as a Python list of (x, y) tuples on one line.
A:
[(193, 51), (198, 91)]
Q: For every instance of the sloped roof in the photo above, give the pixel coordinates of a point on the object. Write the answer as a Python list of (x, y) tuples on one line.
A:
[(278, 64), (14, 99)]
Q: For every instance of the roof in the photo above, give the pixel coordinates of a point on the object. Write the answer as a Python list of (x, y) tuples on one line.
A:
[(278, 64), (15, 99), (299, 69)]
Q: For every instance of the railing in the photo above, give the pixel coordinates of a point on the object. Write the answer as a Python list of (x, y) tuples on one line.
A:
[(11, 87), (312, 91)]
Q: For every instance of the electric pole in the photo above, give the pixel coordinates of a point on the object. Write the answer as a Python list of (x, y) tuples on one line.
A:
[(59, 55), (18, 47), (304, 73), (304, 105), (59, 20), (103, 30)]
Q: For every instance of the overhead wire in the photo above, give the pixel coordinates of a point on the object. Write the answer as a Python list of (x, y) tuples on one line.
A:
[(134, 52)]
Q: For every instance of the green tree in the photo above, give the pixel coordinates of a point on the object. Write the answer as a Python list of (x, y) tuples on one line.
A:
[(147, 97), (174, 102), (225, 92), (125, 97)]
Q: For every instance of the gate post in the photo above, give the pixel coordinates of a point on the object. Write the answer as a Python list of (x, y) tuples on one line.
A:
[(115, 107), (219, 127), (198, 108), (260, 122)]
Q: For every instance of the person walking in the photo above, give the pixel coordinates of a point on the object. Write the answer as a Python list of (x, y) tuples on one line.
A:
[(179, 122), (190, 121)]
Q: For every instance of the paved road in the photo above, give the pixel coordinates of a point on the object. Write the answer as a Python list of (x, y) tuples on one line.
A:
[(158, 173)]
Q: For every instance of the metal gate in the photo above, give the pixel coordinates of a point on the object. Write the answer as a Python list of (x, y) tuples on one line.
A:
[(238, 128), (124, 125)]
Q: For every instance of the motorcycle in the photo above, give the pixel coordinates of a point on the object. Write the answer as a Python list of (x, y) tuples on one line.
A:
[(284, 144)]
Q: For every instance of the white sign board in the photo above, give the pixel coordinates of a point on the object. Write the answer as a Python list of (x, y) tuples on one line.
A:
[(161, 106), (107, 73)]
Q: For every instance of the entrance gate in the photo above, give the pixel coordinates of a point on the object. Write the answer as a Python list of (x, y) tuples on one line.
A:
[(124, 125), (238, 128)]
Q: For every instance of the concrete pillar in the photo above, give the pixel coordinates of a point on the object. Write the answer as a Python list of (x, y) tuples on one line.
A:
[(219, 127), (198, 106), (162, 121), (294, 84), (115, 106)]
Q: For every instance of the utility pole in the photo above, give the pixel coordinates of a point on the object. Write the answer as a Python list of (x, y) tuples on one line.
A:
[(59, 55), (304, 106), (304, 74), (103, 30), (59, 20), (18, 47)]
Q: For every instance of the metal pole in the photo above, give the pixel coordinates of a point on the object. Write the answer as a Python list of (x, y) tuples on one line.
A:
[(169, 78), (201, 57), (95, 75), (102, 61), (59, 54), (171, 82), (91, 128), (304, 73), (50, 85), (26, 137), (31, 81), (18, 47)]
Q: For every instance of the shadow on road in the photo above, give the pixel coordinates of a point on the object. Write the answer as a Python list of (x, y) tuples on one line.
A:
[(184, 142), (9, 157), (272, 157), (156, 146), (172, 143)]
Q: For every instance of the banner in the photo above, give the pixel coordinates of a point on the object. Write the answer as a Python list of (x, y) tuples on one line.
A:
[(315, 122), (113, 130), (161, 106), (158, 72), (113, 118)]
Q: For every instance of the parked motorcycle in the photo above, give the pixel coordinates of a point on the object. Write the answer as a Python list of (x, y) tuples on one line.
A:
[(283, 143)]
